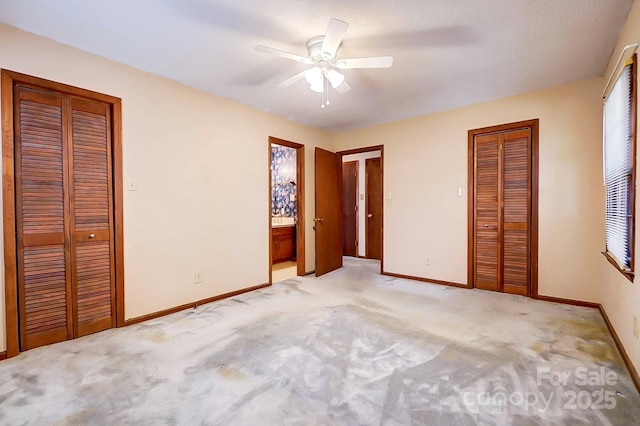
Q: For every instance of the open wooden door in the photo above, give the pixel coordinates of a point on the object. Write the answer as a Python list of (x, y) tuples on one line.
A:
[(374, 208), (328, 219)]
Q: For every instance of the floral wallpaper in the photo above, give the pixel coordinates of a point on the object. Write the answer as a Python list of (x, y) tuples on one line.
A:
[(283, 181)]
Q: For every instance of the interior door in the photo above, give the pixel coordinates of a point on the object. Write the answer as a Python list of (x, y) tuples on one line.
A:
[(517, 211), (374, 208), (502, 247), (487, 213), (350, 208), (92, 217), (328, 219), (44, 268), (64, 216)]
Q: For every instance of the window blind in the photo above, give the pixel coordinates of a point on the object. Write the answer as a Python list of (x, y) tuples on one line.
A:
[(618, 152)]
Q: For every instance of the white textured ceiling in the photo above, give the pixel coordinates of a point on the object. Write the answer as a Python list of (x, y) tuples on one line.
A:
[(447, 53)]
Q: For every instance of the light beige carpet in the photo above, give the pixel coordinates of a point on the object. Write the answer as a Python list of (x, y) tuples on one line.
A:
[(351, 347)]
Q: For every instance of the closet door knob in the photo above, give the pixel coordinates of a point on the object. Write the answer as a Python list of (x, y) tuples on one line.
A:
[(369, 215)]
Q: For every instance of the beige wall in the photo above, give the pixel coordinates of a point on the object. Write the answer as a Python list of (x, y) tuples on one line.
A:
[(201, 167), (425, 162), (620, 297)]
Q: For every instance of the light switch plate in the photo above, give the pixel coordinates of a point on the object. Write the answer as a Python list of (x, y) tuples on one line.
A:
[(132, 185), (361, 197)]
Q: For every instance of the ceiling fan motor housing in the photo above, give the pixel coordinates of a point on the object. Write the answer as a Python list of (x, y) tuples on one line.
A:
[(314, 47)]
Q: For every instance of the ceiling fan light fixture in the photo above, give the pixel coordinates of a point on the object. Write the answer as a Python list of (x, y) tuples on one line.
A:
[(313, 76), (317, 86), (335, 78)]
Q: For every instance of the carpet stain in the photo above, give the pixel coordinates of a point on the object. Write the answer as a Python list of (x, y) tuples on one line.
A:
[(157, 336), (587, 330), (369, 304), (598, 352), (230, 373), (585, 339), (537, 347)]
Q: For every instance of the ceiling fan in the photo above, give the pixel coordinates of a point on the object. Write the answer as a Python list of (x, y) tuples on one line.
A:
[(322, 52)]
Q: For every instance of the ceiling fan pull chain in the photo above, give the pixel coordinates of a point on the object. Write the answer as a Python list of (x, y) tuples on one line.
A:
[(326, 90)]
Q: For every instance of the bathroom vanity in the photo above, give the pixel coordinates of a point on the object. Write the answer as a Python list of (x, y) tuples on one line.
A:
[(283, 242)]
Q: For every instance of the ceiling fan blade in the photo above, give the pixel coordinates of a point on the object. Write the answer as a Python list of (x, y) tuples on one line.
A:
[(372, 62), (283, 54), (333, 36), (343, 88), (291, 80)]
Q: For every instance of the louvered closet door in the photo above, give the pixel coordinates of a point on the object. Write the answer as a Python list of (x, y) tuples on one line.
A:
[(43, 259), (64, 216), (487, 247), (503, 211), (91, 213), (516, 201)]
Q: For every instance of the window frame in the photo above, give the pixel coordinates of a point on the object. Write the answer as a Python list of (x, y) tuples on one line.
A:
[(631, 231)]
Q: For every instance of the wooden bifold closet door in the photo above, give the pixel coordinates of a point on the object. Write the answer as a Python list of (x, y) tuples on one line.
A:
[(64, 216), (502, 216)]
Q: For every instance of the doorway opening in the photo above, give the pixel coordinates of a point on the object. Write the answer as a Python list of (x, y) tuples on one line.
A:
[(349, 206), (362, 205), (286, 210)]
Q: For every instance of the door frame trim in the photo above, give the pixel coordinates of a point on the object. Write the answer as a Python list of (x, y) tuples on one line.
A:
[(7, 81), (371, 149), (300, 228), (532, 124)]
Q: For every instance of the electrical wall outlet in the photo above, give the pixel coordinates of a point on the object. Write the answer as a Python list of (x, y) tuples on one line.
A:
[(197, 277), (636, 332), (428, 260)]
